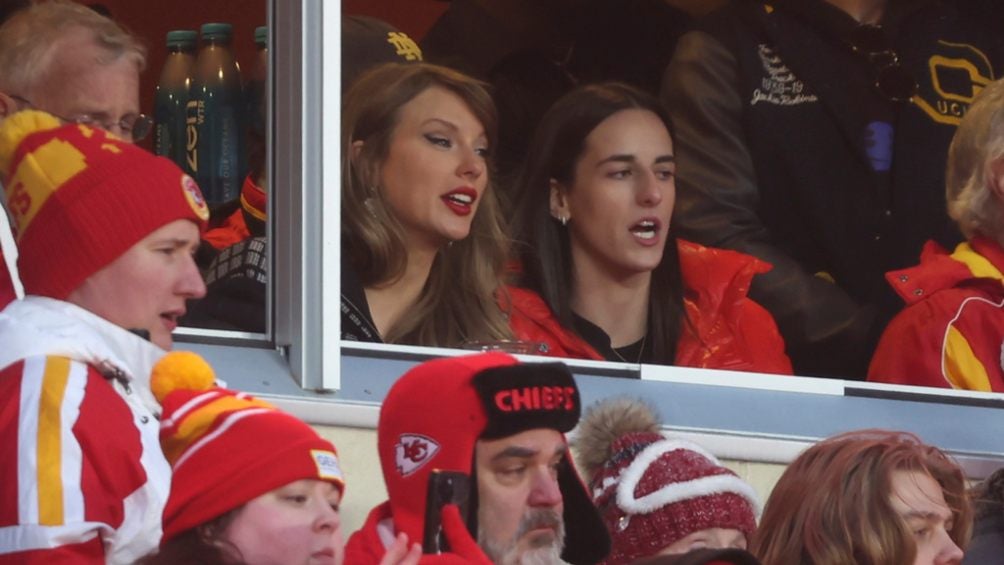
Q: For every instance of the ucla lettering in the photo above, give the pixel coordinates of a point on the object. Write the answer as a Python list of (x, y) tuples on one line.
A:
[(946, 108), (536, 398)]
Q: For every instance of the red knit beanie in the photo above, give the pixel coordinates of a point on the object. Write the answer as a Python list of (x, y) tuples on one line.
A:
[(227, 448), (653, 491), (80, 197)]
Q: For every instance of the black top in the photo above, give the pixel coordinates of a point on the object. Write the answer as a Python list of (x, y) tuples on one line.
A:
[(600, 341), (357, 321)]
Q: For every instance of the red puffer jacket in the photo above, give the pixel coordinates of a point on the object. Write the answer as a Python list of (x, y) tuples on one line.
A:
[(730, 331)]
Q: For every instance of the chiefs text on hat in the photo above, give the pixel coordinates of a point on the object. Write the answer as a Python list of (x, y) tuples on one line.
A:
[(536, 398)]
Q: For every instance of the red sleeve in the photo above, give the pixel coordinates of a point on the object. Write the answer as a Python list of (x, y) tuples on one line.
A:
[(69, 457), (909, 352)]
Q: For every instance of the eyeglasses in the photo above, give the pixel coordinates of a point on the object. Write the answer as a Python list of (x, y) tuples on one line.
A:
[(891, 79), (134, 126)]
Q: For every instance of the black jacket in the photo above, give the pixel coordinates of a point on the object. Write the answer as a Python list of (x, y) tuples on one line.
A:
[(987, 545), (357, 321), (787, 151)]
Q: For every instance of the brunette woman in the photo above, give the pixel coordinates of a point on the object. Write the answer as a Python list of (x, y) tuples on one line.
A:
[(603, 276)]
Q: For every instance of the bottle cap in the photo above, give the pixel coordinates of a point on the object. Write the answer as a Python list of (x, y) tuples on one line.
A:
[(182, 38), (261, 36), (217, 31)]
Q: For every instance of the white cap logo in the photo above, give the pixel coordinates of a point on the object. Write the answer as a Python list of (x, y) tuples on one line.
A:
[(412, 451), (327, 465)]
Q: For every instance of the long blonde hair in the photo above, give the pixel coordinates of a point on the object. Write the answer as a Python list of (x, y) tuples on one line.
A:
[(832, 504), (458, 302)]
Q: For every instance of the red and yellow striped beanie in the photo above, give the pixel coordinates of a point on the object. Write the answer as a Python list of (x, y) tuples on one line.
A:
[(80, 197), (227, 448)]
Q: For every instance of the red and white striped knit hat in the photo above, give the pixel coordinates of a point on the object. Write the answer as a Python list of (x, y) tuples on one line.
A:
[(227, 448)]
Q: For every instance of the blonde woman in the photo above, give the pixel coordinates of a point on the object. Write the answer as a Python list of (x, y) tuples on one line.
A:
[(423, 243)]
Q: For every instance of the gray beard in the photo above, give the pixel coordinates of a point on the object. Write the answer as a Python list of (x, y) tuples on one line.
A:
[(508, 553)]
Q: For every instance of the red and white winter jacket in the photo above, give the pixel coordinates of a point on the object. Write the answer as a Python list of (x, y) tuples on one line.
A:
[(951, 334), (82, 476)]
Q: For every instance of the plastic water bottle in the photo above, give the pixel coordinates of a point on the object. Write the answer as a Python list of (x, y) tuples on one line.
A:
[(215, 121), (172, 95), (256, 83), (256, 107)]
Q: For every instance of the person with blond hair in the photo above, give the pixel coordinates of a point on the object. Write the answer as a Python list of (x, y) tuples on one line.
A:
[(423, 244), (951, 331), (66, 59), (874, 497), (70, 61)]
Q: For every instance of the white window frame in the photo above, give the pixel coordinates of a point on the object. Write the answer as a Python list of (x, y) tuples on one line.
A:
[(304, 367)]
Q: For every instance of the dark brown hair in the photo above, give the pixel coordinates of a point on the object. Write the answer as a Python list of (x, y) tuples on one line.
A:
[(201, 545), (542, 244)]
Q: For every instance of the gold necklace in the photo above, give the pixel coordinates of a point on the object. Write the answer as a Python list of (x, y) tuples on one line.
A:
[(641, 351)]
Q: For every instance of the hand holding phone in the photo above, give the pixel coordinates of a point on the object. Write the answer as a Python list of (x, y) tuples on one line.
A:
[(445, 487)]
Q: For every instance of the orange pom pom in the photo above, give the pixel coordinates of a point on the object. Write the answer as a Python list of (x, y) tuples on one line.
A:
[(180, 370)]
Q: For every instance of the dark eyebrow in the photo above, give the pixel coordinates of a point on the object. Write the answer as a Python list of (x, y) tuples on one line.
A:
[(617, 159), (515, 451), (632, 159)]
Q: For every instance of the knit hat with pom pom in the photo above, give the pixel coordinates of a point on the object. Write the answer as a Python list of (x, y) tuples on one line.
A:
[(653, 491), (80, 197), (227, 448)]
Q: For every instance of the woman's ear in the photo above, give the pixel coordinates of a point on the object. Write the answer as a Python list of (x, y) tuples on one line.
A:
[(7, 105), (357, 149), (365, 170), (559, 202), (997, 179)]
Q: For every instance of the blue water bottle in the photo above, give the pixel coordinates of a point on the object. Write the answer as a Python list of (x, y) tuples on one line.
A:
[(215, 119), (172, 96)]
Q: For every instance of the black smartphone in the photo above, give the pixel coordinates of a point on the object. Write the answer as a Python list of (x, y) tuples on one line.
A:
[(445, 487)]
